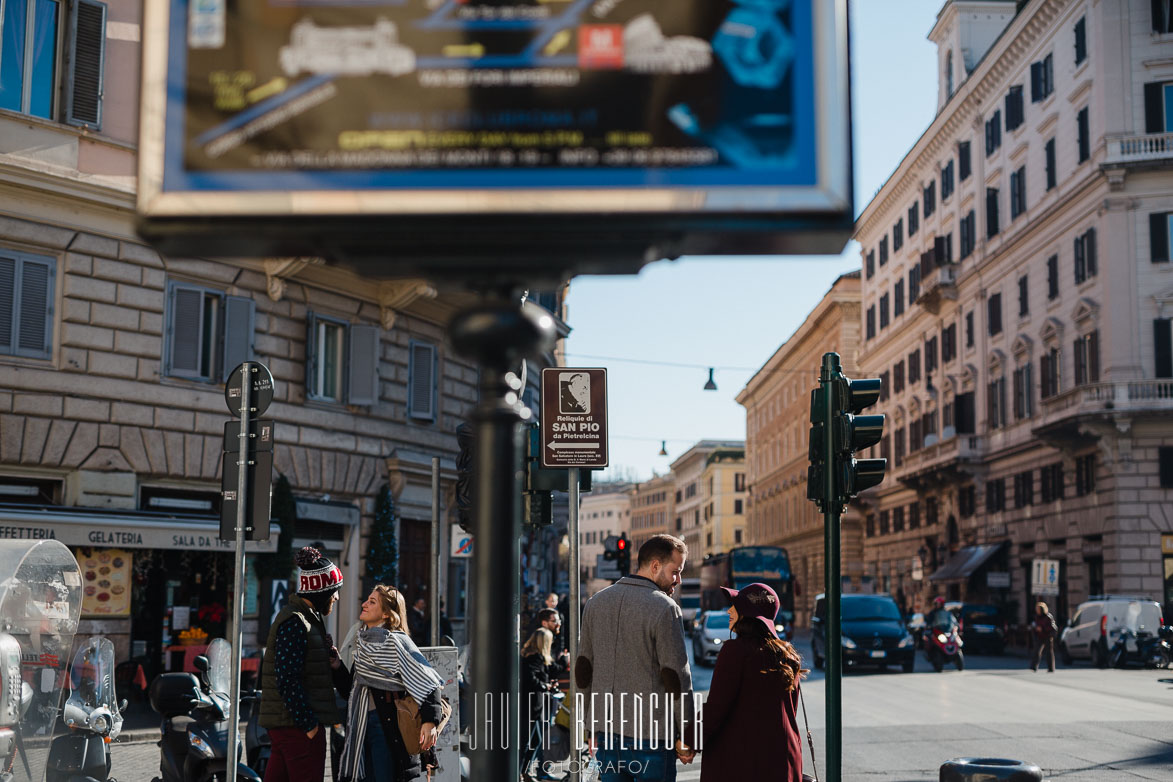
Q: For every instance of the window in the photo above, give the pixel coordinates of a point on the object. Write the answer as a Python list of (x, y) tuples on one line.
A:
[(947, 180), (932, 509), (871, 264), (898, 519), (1085, 256), (1081, 40), (738, 481), (1165, 459), (930, 355), (885, 384), (993, 133), (913, 219), (1085, 474), (1017, 192), (884, 311), (1023, 297), (1159, 233), (916, 435), (994, 314), (929, 196), (995, 495), (991, 212), (967, 501), (26, 304), (1049, 155), (1051, 482), (737, 533), (1049, 374), (914, 515), (1158, 106), (964, 164), (1024, 489), (1162, 16), (1014, 111), (968, 235), (1042, 79), (1087, 359), (884, 515), (898, 377), (898, 235), (207, 334), (898, 299), (737, 507), (30, 61), (913, 284), (1023, 401), (884, 251), (899, 447), (996, 403), (948, 343), (1083, 133), (1163, 346), (871, 322), (929, 423), (943, 250), (326, 345), (914, 367), (969, 329), (1053, 278), (870, 523)]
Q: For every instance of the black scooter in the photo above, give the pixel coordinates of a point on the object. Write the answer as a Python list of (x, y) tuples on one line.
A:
[(93, 715), (194, 742)]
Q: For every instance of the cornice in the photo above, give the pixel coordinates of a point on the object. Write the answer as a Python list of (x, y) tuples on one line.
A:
[(55, 182)]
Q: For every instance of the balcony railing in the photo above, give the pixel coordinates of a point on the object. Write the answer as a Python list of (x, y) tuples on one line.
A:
[(1123, 396), (952, 448), (1140, 149)]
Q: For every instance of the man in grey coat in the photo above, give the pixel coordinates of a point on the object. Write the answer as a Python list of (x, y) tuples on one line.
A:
[(632, 670)]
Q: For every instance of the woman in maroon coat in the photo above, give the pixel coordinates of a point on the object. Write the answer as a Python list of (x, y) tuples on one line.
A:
[(750, 723)]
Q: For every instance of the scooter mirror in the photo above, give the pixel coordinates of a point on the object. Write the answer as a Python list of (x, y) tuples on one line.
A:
[(201, 663), (122, 705)]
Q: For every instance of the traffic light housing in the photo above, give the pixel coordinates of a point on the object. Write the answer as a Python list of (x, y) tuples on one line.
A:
[(538, 497), (623, 549), (836, 405), (466, 439)]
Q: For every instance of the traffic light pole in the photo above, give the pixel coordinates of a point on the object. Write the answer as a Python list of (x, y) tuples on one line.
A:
[(831, 546), (497, 333)]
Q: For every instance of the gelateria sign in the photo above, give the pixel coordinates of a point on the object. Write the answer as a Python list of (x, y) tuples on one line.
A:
[(113, 532)]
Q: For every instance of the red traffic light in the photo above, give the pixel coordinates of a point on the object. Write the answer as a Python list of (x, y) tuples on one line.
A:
[(621, 544)]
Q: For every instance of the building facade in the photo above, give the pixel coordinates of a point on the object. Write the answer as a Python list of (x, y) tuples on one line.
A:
[(689, 499), (723, 493), (603, 511), (777, 409), (651, 510), (1016, 278)]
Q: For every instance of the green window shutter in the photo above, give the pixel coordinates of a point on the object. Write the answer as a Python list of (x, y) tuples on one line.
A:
[(34, 336), (362, 365), (87, 61), (239, 330), (421, 392)]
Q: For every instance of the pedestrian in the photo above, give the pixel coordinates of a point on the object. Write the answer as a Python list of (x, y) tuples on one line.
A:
[(1045, 629), (538, 680), (632, 664), (387, 667), (297, 695), (750, 719), (417, 622), (551, 620)]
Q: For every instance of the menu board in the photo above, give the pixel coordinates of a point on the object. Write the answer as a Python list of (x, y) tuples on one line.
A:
[(400, 95), (106, 582)]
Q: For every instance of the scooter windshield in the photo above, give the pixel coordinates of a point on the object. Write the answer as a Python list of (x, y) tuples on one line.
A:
[(219, 656), (91, 677)]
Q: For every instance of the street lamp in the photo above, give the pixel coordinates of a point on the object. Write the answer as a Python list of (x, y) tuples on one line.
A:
[(711, 385), (663, 448)]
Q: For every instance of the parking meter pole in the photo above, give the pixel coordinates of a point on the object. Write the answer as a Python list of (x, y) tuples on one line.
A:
[(833, 629), (243, 500), (435, 558), (496, 334), (573, 577)]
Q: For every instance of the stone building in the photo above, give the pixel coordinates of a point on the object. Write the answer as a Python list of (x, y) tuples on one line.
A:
[(1016, 279), (603, 512), (689, 499), (651, 509), (723, 494), (777, 409)]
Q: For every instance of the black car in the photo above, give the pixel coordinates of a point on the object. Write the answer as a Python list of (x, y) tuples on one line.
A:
[(983, 627), (873, 633)]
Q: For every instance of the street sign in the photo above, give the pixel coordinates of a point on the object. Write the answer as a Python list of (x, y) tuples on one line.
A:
[(918, 569), (461, 542), (1044, 576), (260, 440), (997, 579), (687, 126), (574, 417), (261, 395), (606, 568), (259, 491)]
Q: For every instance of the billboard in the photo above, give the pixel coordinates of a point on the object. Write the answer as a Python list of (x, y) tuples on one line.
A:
[(680, 109)]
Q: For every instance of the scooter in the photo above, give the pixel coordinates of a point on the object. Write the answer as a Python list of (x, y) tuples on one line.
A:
[(196, 749), (93, 715), (942, 645)]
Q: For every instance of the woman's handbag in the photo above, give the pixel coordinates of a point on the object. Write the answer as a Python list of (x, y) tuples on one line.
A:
[(407, 711), (809, 740)]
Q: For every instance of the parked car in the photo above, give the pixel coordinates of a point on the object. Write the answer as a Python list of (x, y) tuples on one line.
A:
[(873, 632), (983, 627), (1097, 623), (712, 631)]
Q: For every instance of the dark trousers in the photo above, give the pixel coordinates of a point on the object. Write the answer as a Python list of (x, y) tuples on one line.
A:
[(377, 760), (1046, 646), (295, 757)]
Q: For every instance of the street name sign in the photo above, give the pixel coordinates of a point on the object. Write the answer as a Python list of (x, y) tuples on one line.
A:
[(574, 418), (1044, 576), (261, 395)]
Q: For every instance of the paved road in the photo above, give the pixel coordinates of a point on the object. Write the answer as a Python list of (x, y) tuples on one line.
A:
[(1079, 724)]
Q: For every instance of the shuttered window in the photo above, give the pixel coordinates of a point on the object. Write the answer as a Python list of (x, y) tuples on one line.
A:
[(26, 304), (363, 366), (29, 56), (208, 334), (1163, 346), (325, 354), (239, 328), (1159, 236), (87, 61), (421, 398)]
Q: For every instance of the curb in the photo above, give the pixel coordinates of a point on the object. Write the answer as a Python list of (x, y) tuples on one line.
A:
[(138, 736)]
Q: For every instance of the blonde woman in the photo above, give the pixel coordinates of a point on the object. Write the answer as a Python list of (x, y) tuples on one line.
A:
[(537, 682), (387, 666)]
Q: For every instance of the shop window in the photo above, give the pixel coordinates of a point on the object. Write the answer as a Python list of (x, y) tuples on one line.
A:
[(26, 304), (208, 334)]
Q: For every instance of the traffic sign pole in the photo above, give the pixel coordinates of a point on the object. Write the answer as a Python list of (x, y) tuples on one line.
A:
[(242, 504), (575, 579)]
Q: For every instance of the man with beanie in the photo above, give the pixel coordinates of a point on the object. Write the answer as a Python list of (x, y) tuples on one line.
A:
[(297, 696)]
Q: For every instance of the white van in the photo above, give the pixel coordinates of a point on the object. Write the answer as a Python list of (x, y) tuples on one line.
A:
[(688, 596), (1097, 622)]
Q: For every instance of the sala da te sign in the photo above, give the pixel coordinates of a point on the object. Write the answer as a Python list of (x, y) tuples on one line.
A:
[(698, 117), (574, 418)]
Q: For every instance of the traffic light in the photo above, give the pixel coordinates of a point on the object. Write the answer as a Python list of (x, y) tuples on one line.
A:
[(538, 497), (850, 432), (623, 549), (466, 439)]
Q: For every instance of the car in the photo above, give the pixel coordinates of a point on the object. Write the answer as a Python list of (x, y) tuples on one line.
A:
[(1097, 622), (712, 631), (983, 627), (873, 632)]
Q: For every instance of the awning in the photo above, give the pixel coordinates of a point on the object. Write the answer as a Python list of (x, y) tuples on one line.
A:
[(122, 529), (965, 562)]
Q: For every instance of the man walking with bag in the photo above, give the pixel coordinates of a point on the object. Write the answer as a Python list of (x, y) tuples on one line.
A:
[(632, 670)]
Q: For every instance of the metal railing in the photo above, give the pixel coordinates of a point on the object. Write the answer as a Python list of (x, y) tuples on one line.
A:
[(1140, 148), (1127, 395)]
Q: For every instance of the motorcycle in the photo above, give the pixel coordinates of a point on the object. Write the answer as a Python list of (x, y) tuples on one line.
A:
[(196, 749), (942, 645), (1153, 651), (93, 715)]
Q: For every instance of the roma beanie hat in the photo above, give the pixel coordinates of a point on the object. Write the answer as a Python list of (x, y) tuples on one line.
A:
[(316, 574)]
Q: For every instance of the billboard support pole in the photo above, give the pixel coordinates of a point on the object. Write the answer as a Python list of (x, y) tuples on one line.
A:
[(574, 600), (832, 587), (496, 333)]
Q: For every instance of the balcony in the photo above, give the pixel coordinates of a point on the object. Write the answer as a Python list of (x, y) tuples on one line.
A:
[(1060, 413), (938, 275), (1139, 149), (941, 462)]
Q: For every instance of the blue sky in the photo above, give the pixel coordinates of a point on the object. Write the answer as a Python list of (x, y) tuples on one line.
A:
[(735, 312)]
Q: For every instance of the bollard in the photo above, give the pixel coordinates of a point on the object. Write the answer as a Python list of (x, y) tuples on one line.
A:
[(990, 770)]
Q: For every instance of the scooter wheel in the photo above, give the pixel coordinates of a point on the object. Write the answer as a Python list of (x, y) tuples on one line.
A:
[(989, 770), (959, 660)]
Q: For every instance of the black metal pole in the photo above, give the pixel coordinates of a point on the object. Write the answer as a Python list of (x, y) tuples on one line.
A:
[(834, 631), (497, 334)]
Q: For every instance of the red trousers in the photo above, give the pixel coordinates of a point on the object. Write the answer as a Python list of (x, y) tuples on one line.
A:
[(296, 758)]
